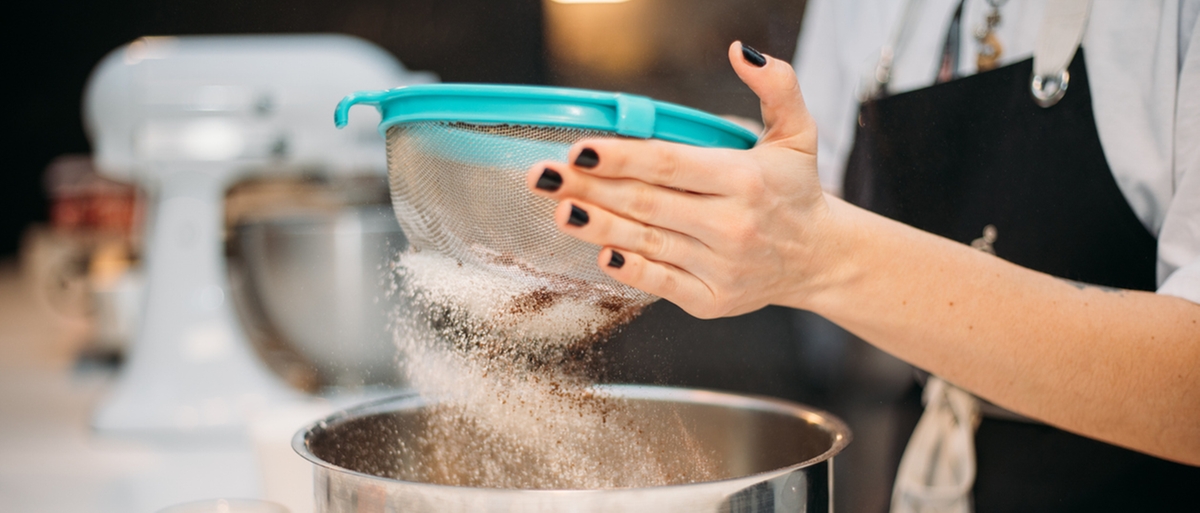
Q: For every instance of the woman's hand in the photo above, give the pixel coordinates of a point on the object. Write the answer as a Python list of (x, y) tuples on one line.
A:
[(716, 231)]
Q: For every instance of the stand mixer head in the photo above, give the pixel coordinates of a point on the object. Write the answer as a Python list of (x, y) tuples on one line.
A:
[(185, 117)]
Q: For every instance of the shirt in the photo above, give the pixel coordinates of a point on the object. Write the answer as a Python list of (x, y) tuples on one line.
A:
[(1144, 70)]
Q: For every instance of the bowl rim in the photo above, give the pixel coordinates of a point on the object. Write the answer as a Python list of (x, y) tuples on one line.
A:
[(838, 430)]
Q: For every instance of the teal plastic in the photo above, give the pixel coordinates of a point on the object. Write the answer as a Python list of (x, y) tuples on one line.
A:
[(624, 114)]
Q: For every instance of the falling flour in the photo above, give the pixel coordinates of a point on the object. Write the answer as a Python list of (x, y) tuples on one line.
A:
[(511, 364)]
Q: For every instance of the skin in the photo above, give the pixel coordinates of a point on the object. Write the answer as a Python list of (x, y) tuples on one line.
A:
[(724, 232)]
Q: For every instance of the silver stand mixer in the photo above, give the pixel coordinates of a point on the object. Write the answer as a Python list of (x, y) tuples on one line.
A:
[(185, 117)]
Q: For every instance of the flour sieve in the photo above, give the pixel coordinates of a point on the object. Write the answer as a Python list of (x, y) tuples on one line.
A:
[(457, 158)]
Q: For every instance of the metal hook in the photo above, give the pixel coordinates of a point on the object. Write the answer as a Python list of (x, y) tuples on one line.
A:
[(1047, 90)]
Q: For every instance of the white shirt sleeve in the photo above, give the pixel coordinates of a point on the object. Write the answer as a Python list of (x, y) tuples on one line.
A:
[(1179, 239), (829, 82)]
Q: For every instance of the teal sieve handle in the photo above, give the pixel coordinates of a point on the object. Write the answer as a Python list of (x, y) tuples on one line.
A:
[(341, 115), (624, 114)]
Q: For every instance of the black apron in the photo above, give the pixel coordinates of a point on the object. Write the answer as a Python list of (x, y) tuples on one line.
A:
[(956, 157)]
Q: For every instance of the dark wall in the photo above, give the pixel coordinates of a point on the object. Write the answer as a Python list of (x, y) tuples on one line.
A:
[(673, 50), (53, 45)]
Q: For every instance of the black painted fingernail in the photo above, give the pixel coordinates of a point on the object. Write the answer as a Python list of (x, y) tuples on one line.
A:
[(550, 180), (753, 56), (579, 216), (616, 261), (587, 158)]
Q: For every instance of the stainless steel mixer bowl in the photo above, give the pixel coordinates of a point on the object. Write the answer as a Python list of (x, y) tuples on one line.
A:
[(318, 283), (780, 454)]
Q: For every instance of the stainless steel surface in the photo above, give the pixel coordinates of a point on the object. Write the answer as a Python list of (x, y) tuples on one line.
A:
[(779, 456), (319, 283)]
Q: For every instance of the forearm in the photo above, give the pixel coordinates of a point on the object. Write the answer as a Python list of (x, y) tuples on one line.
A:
[(1119, 366)]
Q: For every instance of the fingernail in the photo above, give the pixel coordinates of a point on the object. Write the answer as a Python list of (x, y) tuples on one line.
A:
[(587, 158), (550, 180), (579, 216), (753, 56), (616, 261)]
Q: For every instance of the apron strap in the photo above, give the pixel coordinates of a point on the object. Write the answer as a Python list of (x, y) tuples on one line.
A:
[(1060, 34)]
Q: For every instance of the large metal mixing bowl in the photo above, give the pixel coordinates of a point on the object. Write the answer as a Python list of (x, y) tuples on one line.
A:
[(319, 283), (779, 454)]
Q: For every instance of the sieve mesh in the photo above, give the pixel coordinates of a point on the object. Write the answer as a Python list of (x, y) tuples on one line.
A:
[(459, 190)]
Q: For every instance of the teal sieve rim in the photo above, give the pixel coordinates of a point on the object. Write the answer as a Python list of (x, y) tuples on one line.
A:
[(490, 104)]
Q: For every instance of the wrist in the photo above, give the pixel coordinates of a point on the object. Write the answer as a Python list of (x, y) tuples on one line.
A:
[(832, 262)]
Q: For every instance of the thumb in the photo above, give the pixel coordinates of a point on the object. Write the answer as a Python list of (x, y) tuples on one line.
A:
[(774, 81)]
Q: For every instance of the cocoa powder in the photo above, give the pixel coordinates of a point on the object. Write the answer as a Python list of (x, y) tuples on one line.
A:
[(512, 365)]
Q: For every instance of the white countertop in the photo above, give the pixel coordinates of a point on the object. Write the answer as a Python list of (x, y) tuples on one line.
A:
[(51, 461)]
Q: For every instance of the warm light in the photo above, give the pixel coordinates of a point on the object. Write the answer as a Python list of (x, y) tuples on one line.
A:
[(599, 40), (589, 1), (149, 47)]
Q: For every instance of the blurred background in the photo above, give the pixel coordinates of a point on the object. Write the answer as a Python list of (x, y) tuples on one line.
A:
[(670, 49), (72, 240)]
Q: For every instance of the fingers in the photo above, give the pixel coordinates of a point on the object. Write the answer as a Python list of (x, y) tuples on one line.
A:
[(641, 202), (783, 109), (649, 258), (708, 170), (591, 223), (662, 280), (680, 166), (694, 225)]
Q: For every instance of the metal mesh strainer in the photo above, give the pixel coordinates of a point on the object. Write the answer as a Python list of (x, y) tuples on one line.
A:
[(457, 158), (459, 189)]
